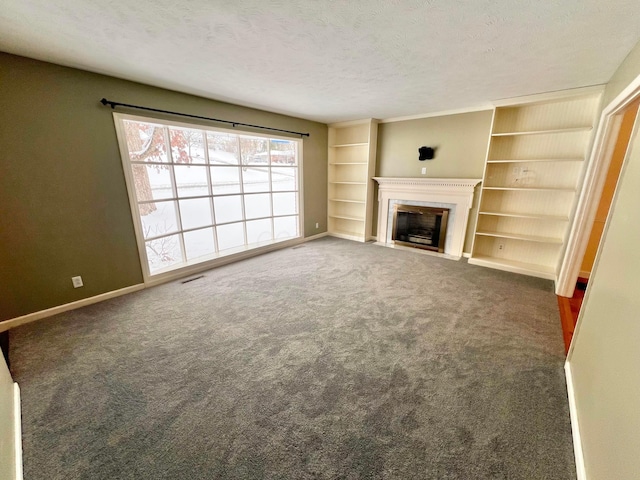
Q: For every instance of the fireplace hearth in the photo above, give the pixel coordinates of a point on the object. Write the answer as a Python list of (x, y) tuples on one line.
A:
[(420, 227)]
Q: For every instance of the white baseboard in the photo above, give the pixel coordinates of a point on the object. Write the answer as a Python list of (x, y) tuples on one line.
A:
[(31, 317), (575, 427), (17, 429), (315, 237), (466, 255)]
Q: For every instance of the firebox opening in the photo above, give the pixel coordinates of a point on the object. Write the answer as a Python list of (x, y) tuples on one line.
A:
[(420, 227)]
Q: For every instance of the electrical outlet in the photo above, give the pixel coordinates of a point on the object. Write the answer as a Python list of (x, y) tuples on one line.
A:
[(317, 225), (424, 170), (501, 246), (77, 282)]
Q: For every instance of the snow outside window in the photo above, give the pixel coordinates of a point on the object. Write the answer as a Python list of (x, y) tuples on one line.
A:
[(202, 193)]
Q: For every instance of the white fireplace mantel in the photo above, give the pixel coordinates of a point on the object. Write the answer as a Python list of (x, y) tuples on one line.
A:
[(457, 192)]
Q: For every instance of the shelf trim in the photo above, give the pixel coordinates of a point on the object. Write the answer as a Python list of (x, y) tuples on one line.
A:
[(537, 216), (346, 200), (345, 217), (348, 183), (348, 163), (534, 160), (543, 132), (342, 145), (519, 236)]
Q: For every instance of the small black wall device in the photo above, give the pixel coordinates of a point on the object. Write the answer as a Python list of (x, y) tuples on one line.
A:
[(426, 153)]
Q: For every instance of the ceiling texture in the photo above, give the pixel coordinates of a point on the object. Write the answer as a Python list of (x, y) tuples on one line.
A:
[(333, 60)]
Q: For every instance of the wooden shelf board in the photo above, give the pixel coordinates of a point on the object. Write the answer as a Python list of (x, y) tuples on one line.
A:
[(542, 132), (534, 160), (348, 163), (536, 270), (342, 145), (519, 236), (346, 217), (345, 200), (533, 189), (537, 216), (348, 183)]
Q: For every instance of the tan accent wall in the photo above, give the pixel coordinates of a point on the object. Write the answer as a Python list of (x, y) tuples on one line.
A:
[(63, 202), (609, 188), (461, 147)]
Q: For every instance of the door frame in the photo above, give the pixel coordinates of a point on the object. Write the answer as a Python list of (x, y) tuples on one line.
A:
[(593, 183)]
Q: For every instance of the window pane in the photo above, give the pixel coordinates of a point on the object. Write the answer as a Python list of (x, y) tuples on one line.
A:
[(230, 236), (152, 182), (201, 193), (285, 227), (259, 231), (228, 209), (255, 179), (285, 203), (199, 243), (191, 181), (158, 218), (254, 151), (163, 252), (283, 152), (195, 213), (257, 206), (145, 142), (225, 180), (284, 178), (223, 148), (187, 145)]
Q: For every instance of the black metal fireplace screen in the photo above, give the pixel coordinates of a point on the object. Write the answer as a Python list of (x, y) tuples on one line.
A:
[(420, 227)]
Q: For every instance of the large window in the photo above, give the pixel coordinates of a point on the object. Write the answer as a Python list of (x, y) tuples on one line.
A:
[(202, 193)]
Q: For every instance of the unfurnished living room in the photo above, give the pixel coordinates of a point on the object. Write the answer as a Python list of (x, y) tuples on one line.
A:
[(319, 240)]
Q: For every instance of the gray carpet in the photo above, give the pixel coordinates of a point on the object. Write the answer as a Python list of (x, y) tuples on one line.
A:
[(333, 360)]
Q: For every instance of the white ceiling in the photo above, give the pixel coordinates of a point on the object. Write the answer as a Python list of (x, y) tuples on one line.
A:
[(333, 60)]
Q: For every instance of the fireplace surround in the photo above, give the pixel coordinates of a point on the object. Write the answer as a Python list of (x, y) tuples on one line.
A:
[(453, 194)]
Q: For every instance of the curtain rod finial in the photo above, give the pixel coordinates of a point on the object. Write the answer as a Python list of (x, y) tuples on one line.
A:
[(104, 101)]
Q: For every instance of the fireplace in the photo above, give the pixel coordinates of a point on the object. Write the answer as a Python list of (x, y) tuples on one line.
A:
[(452, 194), (420, 227)]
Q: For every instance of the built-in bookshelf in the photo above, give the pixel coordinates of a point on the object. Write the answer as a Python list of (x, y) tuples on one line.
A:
[(352, 159), (534, 164)]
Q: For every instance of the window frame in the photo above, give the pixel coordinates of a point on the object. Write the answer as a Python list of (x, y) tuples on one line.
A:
[(193, 266)]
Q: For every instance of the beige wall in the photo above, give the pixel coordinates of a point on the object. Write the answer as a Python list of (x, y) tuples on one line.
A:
[(63, 202), (604, 357), (461, 141)]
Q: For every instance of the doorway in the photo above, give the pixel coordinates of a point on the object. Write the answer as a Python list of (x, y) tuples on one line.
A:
[(617, 142)]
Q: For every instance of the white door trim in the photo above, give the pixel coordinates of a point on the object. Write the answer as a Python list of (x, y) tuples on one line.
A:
[(592, 185)]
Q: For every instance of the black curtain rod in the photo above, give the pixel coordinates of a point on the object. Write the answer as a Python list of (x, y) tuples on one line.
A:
[(113, 105)]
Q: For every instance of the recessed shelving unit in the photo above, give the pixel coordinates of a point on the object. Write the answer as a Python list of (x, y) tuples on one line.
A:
[(534, 164), (352, 157)]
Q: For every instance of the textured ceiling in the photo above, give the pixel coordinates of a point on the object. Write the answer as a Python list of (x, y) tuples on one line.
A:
[(333, 60)]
